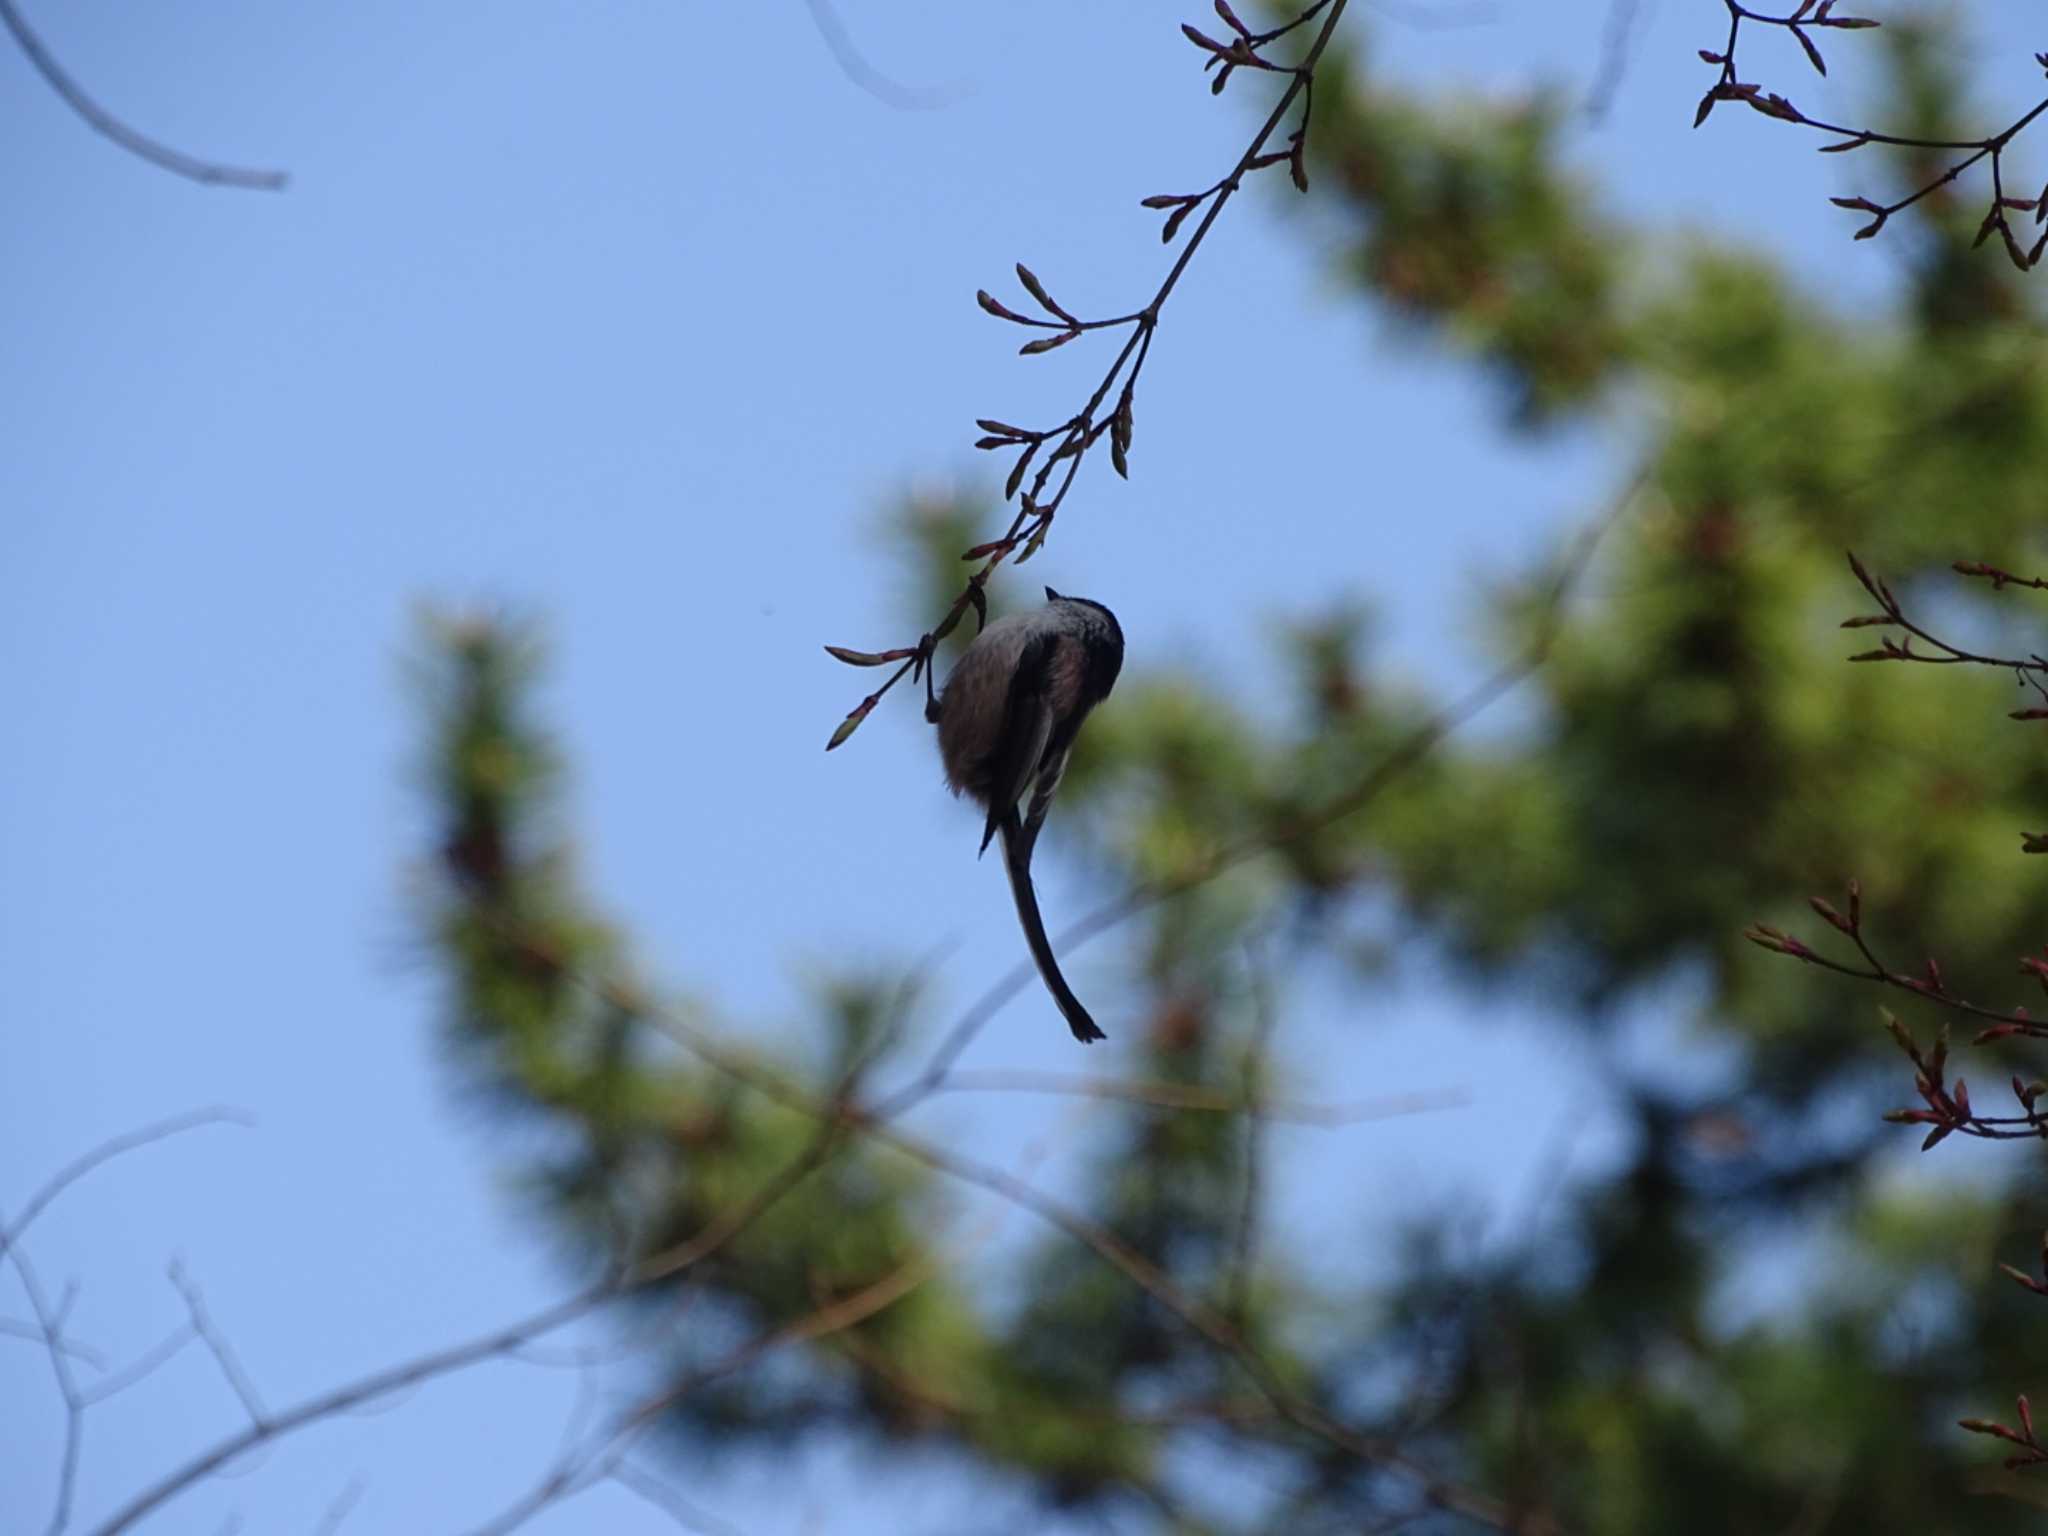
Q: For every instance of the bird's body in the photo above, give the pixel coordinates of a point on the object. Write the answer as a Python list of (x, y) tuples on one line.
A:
[(1009, 715)]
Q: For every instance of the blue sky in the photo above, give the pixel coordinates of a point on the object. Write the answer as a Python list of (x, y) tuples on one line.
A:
[(637, 320)]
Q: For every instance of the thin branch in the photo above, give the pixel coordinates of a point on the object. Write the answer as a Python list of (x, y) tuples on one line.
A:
[(1892, 615), (501, 1342), (97, 117), (572, 1476), (223, 1352), (343, 1503), (16, 1329), (1068, 443), (49, 1320), (353, 1394), (1614, 41), (1190, 1096), (655, 1491), (144, 1365), (1800, 23), (855, 66), (110, 1149), (1257, 1058), (1112, 1250)]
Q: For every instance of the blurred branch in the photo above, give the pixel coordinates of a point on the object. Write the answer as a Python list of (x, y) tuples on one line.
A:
[(576, 1471), (343, 1502), (1204, 1320), (97, 117), (1436, 17), (1256, 1070), (855, 66), (16, 1329), (503, 1342), (50, 1321), (1614, 41), (364, 1389), (1189, 1096), (1069, 442), (143, 1366), (653, 1490), (217, 1345), (110, 1149), (1801, 23)]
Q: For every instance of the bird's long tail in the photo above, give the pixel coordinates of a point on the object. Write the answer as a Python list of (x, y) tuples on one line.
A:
[(1017, 857)]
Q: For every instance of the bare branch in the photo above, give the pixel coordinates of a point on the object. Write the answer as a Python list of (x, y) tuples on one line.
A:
[(144, 1365), (351, 1494), (855, 66), (50, 1320), (1800, 24), (223, 1352), (671, 1503), (1257, 1054), (110, 1149), (573, 1474), (1614, 41), (15, 1328), (97, 117), (1189, 1096), (363, 1389)]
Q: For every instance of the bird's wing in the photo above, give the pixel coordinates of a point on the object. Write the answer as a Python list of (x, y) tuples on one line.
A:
[(1027, 728), (1047, 786)]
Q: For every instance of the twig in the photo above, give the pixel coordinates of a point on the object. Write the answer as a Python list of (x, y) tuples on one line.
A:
[(97, 117), (1621, 25), (690, 1516), (223, 1352), (15, 1329), (1190, 1096), (343, 1503), (49, 1321), (855, 66), (573, 1475), (144, 1365), (352, 1394), (1799, 22), (110, 1149), (1257, 1054), (1892, 615)]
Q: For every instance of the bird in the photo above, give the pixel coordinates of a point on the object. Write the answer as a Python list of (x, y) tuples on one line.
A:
[(1007, 718)]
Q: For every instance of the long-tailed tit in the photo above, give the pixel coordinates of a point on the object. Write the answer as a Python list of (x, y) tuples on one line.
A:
[(1007, 719)]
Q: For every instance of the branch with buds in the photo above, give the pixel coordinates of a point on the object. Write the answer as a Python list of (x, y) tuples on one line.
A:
[(1818, 15), (2032, 1453), (2029, 671), (1049, 458), (1945, 1106)]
